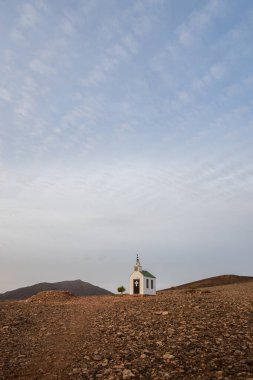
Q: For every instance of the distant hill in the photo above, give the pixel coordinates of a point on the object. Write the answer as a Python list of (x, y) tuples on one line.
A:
[(76, 287), (226, 279)]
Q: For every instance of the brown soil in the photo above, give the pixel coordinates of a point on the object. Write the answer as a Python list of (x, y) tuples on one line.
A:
[(176, 335), (50, 296)]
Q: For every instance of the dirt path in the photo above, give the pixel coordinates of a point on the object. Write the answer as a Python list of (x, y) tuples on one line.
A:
[(41, 341)]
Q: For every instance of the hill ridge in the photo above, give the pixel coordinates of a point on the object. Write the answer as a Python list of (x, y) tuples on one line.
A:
[(224, 279), (76, 287)]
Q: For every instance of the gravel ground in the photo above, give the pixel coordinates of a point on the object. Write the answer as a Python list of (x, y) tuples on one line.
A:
[(179, 334)]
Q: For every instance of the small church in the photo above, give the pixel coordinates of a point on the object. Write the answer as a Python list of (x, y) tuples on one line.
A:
[(141, 281)]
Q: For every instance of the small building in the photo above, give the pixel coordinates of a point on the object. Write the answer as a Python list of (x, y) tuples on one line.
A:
[(141, 281)]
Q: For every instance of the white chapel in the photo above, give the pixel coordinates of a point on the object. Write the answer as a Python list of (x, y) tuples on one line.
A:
[(141, 281)]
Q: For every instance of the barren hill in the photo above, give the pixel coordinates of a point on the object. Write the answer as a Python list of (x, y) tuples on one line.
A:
[(227, 279), (177, 335), (77, 287)]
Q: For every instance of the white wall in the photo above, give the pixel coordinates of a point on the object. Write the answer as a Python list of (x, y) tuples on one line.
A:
[(143, 290), (148, 290)]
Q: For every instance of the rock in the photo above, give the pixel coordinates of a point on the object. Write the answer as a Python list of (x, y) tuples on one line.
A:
[(97, 357), (119, 366), (108, 371), (219, 374), (168, 357), (104, 363), (127, 374), (161, 312)]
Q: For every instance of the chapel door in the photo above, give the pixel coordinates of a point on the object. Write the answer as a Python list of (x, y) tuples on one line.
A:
[(136, 286)]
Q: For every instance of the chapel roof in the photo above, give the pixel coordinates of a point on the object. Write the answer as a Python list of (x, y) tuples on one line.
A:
[(145, 273)]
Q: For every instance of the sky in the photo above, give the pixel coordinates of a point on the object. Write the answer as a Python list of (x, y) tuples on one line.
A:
[(126, 127)]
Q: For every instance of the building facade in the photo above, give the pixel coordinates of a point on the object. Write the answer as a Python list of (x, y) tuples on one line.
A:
[(142, 282)]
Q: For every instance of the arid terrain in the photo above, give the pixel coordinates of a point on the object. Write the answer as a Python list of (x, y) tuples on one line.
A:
[(179, 334)]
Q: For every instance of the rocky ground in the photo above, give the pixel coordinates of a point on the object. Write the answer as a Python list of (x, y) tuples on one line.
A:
[(179, 334)]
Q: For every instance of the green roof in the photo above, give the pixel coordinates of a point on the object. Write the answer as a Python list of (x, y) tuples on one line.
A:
[(147, 274)]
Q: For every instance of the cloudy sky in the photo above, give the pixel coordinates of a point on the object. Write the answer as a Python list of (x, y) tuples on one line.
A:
[(126, 126)]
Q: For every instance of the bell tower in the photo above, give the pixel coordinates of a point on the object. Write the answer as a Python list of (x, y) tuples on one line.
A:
[(137, 267)]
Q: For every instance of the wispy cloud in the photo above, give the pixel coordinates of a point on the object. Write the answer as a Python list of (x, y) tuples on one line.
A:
[(5, 94), (198, 21), (28, 15), (40, 67), (26, 103), (214, 73), (138, 131), (67, 26), (110, 61)]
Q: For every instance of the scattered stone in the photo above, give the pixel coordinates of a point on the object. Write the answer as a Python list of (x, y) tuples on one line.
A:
[(203, 336)]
